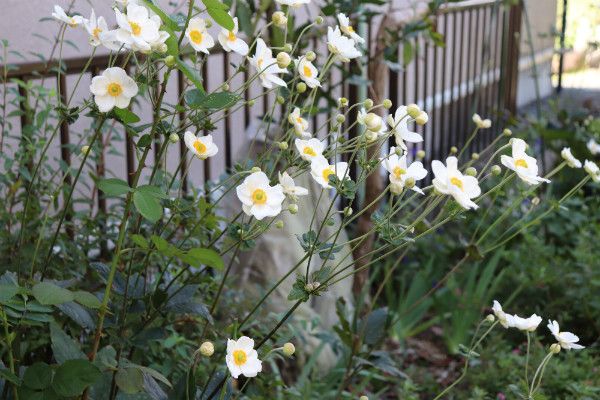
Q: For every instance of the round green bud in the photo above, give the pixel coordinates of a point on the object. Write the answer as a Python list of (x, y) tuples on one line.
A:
[(173, 138), (340, 118), (490, 318), (301, 87), (422, 118), (251, 102), (453, 150), (410, 182), (535, 201), (373, 122), (288, 47), (396, 188), (293, 208), (282, 145), (279, 19), (283, 59), (279, 224), (475, 156), (363, 397), (413, 110), (255, 169), (311, 56), (319, 20), (370, 136), (207, 349), (387, 104), (496, 170), (399, 151), (421, 154), (342, 102), (289, 349), (555, 348), (507, 132), (471, 171), (368, 103), (225, 86), (280, 100), (169, 61), (85, 150), (348, 211)]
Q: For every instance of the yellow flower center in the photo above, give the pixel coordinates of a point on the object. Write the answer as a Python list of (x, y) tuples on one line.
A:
[(200, 147), (136, 29), (457, 182), (196, 36), (259, 196), (239, 357), (114, 89), (73, 23), (309, 151), (350, 29), (398, 172), (307, 71), (327, 172), (231, 37), (521, 163), (260, 62), (299, 120), (96, 33)]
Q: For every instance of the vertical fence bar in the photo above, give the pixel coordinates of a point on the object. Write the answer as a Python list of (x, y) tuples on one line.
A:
[(182, 146), (443, 140), (514, 35), (227, 122)]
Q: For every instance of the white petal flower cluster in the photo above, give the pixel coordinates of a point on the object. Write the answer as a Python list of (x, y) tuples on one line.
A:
[(231, 42), (73, 21), (347, 28), (113, 88), (399, 127), (569, 158), (260, 199), (293, 3), (591, 168), (449, 180), (241, 358), (566, 340), (200, 146), (341, 46), (593, 147), (481, 123), (198, 36), (300, 124), (525, 166), (308, 72), (400, 171), (266, 65)]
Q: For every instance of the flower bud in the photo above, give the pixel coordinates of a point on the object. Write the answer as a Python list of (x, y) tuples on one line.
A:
[(453, 150), (370, 136), (555, 348), (496, 170), (85, 150), (169, 61), (255, 169), (279, 224), (399, 151), (319, 20), (535, 201), (373, 122), (486, 123), (288, 47), (475, 156), (340, 118), (301, 87), (507, 132), (422, 118), (309, 287), (311, 56), (368, 103), (162, 48), (363, 397), (421, 154), (282, 145), (225, 86), (283, 59), (387, 104), (173, 138), (207, 349), (279, 19), (410, 182), (471, 171), (289, 349), (251, 102), (490, 318), (280, 100), (293, 208), (342, 102), (396, 188), (413, 110), (348, 211)]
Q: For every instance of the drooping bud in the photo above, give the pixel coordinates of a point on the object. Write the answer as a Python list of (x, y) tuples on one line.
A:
[(319, 20), (373, 122), (496, 170), (348, 211), (279, 19), (289, 349), (288, 47), (370, 136), (251, 102), (396, 187), (535, 201), (342, 102), (225, 86), (283, 59), (490, 318), (280, 100), (293, 208), (413, 110), (387, 104), (471, 171), (207, 349), (399, 151), (340, 118), (422, 118), (555, 348)]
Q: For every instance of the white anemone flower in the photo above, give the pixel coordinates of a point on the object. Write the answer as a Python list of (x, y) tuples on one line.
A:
[(293, 3), (113, 88), (591, 168), (74, 21), (308, 72), (399, 127), (347, 28), (136, 29), (506, 320), (593, 147), (201, 146), (341, 46), (400, 171), (449, 180), (299, 123), (482, 123), (321, 171), (566, 340), (569, 158), (241, 358), (125, 3), (198, 36), (289, 186), (310, 149), (97, 28), (525, 166), (526, 324), (266, 65), (231, 42), (260, 199)]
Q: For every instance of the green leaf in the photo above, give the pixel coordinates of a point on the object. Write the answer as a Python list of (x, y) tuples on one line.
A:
[(87, 299), (218, 12), (130, 380), (63, 346), (213, 101), (74, 376), (140, 241), (407, 53), (38, 376), (113, 186), (126, 116), (9, 376), (49, 294), (160, 243), (7, 292), (148, 206), (190, 73), (205, 257), (375, 322), (153, 191)]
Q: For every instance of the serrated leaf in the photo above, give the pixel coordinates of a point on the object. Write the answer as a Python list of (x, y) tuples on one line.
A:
[(38, 376), (190, 73), (213, 101), (148, 206), (7, 292), (63, 346), (130, 380), (140, 241), (153, 191), (49, 294), (87, 299), (206, 257), (113, 186), (126, 116), (74, 376)]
